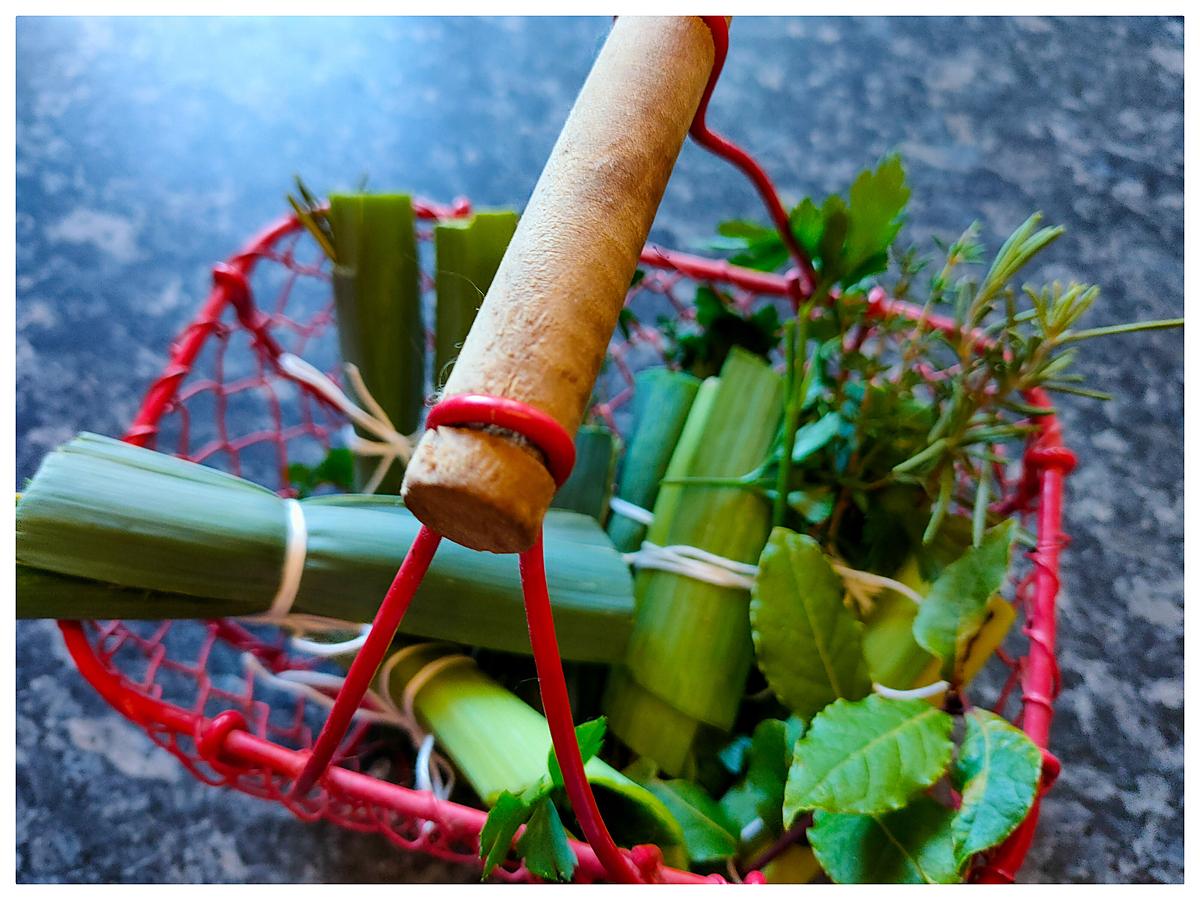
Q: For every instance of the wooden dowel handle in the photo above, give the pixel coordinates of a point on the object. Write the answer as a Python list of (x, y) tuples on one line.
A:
[(542, 332)]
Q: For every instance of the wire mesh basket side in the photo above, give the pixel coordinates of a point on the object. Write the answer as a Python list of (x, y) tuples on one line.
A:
[(193, 687)]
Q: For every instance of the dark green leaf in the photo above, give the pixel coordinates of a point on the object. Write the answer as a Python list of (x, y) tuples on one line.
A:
[(808, 644), (495, 838), (997, 771), (807, 225), (877, 201), (815, 435), (956, 605), (337, 469), (833, 236), (870, 756), (545, 846), (913, 845), (765, 257), (759, 795)]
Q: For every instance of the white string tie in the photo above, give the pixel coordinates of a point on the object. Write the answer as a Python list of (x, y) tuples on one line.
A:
[(423, 676), (390, 444), (630, 511), (869, 584), (692, 562), (701, 565), (432, 771), (919, 693), (302, 625), (296, 549), (280, 611)]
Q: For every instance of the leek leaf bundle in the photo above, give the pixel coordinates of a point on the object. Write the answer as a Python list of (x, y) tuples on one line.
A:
[(377, 294), (662, 400), (109, 530), (691, 644), (589, 488)]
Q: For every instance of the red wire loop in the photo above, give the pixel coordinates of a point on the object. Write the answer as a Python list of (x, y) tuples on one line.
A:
[(211, 735), (1053, 457), (539, 428)]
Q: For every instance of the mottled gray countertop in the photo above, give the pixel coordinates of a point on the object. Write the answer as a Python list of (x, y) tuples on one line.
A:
[(148, 149)]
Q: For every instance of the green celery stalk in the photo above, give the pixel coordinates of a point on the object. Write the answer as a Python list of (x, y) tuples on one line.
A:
[(377, 295), (662, 400), (691, 642), (500, 743), (468, 252), (590, 485)]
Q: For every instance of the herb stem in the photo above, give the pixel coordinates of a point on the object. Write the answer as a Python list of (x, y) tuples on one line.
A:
[(797, 834), (796, 340), (1128, 327)]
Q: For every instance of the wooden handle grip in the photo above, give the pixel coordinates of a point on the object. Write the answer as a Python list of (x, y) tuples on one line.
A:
[(542, 332)]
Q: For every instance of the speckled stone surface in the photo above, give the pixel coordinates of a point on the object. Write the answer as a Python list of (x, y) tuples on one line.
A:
[(146, 150)]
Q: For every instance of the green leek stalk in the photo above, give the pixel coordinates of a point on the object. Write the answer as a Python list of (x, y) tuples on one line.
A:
[(108, 530), (468, 252), (662, 400), (691, 644), (591, 482), (377, 295), (500, 743)]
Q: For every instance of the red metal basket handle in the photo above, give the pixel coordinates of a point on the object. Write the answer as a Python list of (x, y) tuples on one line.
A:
[(556, 445)]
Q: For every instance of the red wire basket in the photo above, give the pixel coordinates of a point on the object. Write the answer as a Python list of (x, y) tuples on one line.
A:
[(179, 680)]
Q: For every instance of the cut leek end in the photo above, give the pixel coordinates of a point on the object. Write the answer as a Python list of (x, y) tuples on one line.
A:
[(648, 725)]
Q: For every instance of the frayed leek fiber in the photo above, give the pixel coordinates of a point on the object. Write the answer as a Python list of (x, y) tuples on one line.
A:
[(108, 530), (691, 644), (377, 298), (467, 255), (662, 400), (500, 743)]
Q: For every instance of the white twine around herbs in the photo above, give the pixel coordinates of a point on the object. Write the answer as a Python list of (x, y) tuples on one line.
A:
[(295, 551), (630, 511), (390, 446), (918, 693), (704, 566), (692, 562), (431, 771), (869, 585), (280, 611)]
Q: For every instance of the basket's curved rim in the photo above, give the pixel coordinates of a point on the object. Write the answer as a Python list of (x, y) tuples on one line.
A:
[(223, 741)]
